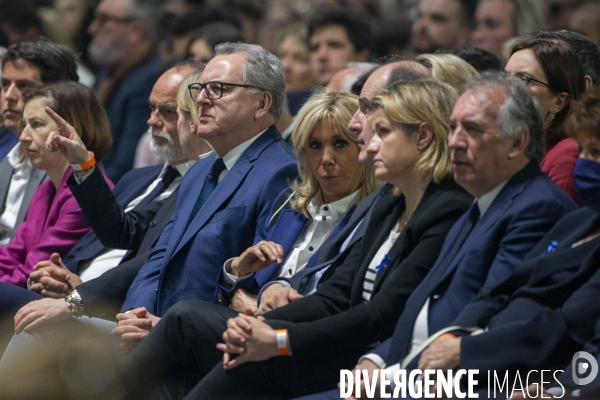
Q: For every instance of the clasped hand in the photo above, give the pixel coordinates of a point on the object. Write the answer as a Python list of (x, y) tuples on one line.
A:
[(250, 339), (51, 278), (134, 326)]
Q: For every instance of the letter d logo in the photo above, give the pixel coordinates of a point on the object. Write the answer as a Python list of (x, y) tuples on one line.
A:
[(579, 368)]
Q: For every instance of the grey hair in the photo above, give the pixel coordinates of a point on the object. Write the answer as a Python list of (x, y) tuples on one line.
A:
[(521, 111), (150, 12), (261, 69)]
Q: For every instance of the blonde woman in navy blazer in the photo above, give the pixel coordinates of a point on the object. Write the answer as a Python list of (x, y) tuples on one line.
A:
[(319, 204)]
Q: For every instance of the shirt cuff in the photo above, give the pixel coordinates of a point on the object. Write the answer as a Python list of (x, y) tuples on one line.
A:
[(231, 281), (374, 358), (79, 180)]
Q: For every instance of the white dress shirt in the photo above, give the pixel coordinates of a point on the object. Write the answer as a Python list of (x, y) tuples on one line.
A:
[(110, 258), (234, 154), (16, 192), (323, 220)]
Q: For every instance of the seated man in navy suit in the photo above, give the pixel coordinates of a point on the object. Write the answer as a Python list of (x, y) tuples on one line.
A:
[(496, 142), (545, 312), (225, 198), (122, 218)]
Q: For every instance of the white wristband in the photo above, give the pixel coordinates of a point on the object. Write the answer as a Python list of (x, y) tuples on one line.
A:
[(282, 342)]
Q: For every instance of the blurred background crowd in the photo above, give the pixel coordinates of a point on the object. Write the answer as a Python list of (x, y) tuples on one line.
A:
[(120, 42)]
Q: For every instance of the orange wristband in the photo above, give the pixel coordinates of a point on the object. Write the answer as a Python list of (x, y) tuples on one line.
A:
[(86, 165), (282, 342), (447, 335)]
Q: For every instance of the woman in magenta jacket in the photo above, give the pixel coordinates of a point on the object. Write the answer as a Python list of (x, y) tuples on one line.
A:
[(54, 222)]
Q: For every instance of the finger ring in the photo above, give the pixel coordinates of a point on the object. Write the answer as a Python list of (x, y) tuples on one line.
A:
[(65, 123), (260, 245), (30, 309), (43, 318)]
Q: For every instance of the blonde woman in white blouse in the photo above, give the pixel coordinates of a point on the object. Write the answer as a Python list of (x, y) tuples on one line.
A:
[(330, 183)]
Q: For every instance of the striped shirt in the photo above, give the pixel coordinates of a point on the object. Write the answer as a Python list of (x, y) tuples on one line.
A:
[(378, 262)]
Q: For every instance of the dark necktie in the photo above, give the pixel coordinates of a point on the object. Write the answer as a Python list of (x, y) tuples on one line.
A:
[(210, 183), (169, 176), (401, 339)]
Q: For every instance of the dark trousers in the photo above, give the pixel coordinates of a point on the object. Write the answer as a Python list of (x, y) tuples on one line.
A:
[(276, 378), (180, 353)]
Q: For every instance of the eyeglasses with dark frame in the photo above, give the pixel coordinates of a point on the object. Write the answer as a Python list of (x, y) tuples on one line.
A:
[(102, 18), (214, 89), (528, 79)]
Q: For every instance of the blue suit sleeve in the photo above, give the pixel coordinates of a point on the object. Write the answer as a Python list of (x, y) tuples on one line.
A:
[(278, 183)]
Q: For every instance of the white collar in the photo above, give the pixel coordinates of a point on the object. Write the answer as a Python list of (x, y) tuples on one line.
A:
[(485, 201), (182, 168), (234, 154), (15, 157), (335, 210)]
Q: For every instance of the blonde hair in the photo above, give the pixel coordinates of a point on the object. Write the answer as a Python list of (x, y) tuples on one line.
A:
[(412, 103), (186, 104), (325, 106), (449, 69)]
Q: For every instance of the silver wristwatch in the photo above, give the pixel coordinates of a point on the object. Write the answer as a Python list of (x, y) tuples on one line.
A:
[(75, 304)]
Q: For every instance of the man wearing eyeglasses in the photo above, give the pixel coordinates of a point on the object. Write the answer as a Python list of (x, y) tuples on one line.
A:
[(225, 199), (125, 34)]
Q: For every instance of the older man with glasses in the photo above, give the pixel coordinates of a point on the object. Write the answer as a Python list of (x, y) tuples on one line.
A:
[(223, 203)]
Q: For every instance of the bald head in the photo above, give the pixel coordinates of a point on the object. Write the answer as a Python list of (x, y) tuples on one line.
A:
[(343, 80), (163, 115), (373, 86), (408, 71)]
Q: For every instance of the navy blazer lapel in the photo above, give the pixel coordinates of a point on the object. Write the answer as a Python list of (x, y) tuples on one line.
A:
[(285, 233), (225, 189), (185, 203), (513, 188), (137, 186), (289, 226), (360, 215)]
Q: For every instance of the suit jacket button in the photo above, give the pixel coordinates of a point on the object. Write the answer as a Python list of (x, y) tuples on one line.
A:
[(220, 298), (153, 224), (436, 296)]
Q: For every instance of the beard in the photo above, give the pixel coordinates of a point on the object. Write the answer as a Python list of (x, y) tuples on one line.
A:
[(105, 54), (169, 151)]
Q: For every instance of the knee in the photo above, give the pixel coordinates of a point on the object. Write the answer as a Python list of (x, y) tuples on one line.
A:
[(180, 311)]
